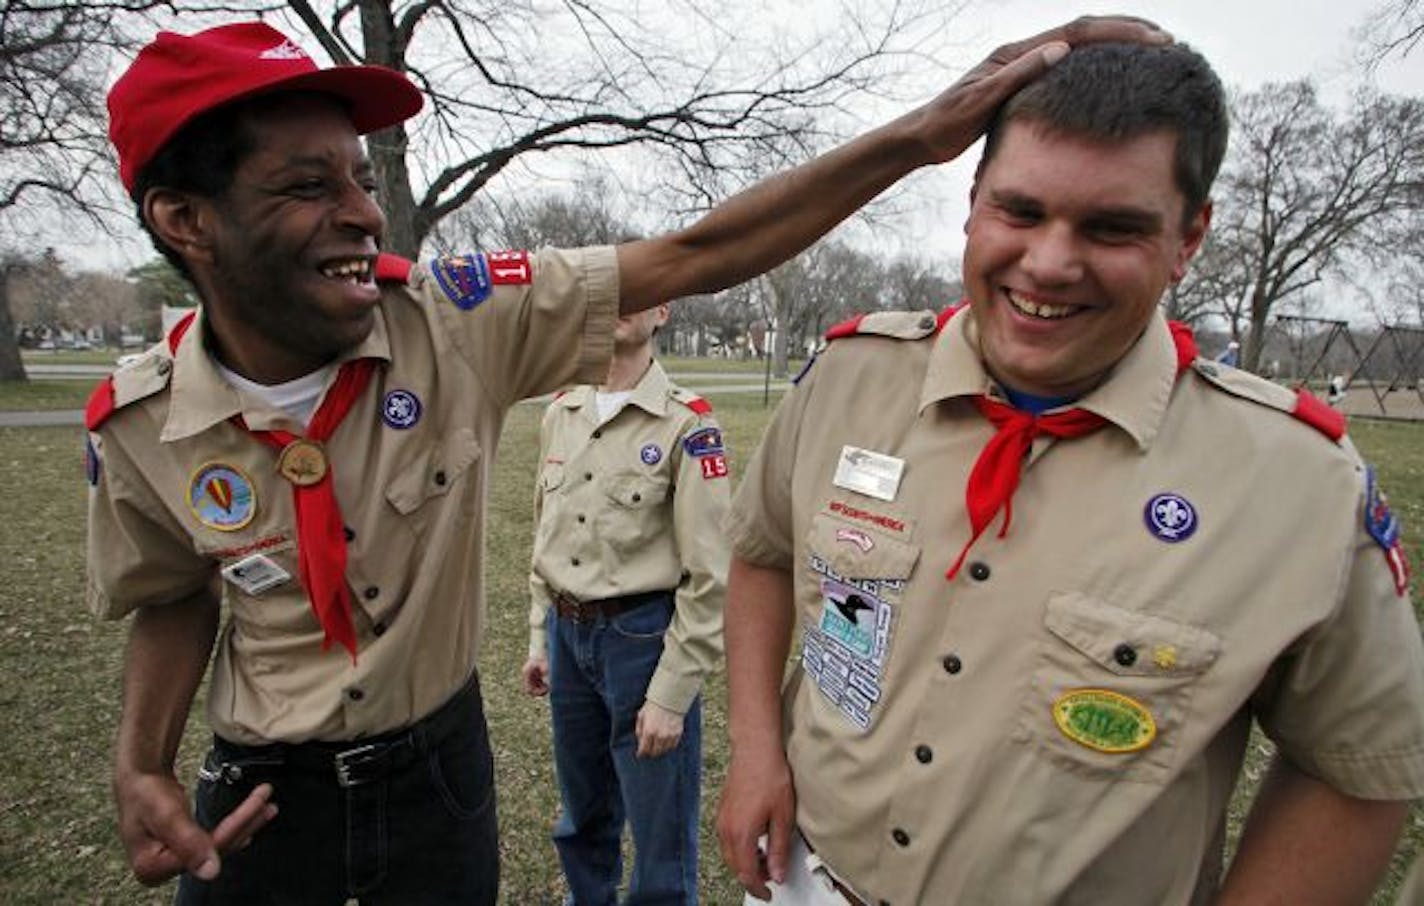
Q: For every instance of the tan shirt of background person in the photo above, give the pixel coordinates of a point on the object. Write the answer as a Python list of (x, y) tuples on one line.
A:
[(623, 507)]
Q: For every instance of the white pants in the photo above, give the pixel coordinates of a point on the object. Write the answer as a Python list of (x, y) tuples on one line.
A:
[(808, 881)]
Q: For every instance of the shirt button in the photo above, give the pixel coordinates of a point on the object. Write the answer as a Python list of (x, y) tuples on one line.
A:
[(978, 571), (370, 593), (355, 694), (1125, 655), (588, 476), (440, 478), (574, 561), (900, 837), (164, 366), (927, 322), (597, 435), (378, 628), (637, 497), (582, 517), (349, 532), (952, 663), (924, 754)]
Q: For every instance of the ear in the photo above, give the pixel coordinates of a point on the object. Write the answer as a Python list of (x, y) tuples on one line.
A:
[(182, 221), (1192, 238), (660, 314)]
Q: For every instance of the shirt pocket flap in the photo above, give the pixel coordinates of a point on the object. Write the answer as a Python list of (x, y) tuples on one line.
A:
[(1127, 642), (861, 553), (433, 472), (635, 491)]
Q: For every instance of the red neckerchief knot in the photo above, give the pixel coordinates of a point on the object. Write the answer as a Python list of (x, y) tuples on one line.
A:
[(321, 532), (996, 472)]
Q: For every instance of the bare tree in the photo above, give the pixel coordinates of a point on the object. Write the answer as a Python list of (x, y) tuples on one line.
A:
[(52, 131), (1303, 192), (518, 81), (1392, 28)]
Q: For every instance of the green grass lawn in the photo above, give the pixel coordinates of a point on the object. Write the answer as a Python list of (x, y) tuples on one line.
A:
[(59, 693), (40, 395)]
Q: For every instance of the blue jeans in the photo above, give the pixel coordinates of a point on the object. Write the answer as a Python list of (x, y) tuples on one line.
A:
[(598, 674), (403, 818)]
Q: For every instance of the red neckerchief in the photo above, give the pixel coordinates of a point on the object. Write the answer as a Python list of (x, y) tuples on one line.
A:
[(321, 532), (996, 472)]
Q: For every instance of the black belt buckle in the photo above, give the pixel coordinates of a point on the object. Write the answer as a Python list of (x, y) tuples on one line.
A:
[(349, 763)]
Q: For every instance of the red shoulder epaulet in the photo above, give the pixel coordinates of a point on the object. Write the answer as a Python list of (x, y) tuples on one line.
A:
[(1312, 410), (393, 268), (949, 312), (697, 404), (847, 328), (175, 336), (1185, 342), (100, 405), (852, 325)]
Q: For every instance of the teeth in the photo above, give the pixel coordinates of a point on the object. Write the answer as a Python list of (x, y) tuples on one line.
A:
[(1038, 309), (357, 269)]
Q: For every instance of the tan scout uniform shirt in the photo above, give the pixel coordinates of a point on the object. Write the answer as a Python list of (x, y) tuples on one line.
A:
[(626, 507), (413, 496), (928, 763)]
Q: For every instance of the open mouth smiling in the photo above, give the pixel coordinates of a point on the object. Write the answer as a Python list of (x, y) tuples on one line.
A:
[(349, 270), (1043, 311)]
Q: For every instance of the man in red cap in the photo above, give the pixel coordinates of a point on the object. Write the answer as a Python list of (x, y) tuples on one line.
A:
[(310, 452)]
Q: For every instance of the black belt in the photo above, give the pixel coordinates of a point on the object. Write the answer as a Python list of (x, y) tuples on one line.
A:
[(571, 608), (359, 761)]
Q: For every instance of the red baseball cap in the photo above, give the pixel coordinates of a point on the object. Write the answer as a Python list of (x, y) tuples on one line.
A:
[(178, 77)]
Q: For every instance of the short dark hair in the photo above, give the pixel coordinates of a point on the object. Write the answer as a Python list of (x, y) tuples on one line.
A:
[(1115, 92), (200, 158)]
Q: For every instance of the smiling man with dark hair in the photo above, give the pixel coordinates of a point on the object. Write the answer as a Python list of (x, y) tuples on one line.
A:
[(1090, 559)]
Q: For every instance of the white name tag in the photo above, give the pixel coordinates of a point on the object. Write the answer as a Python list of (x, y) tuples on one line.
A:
[(255, 574), (870, 473)]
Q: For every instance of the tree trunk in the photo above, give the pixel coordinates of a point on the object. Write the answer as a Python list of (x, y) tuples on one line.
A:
[(404, 230), (12, 367), (1256, 339)]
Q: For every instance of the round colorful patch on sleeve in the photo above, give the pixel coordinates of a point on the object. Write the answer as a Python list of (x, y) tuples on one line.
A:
[(1104, 721), (221, 496)]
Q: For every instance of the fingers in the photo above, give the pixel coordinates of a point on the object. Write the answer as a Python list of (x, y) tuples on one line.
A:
[(237, 829), (535, 674), (778, 848), (1089, 30), (640, 731), (159, 834)]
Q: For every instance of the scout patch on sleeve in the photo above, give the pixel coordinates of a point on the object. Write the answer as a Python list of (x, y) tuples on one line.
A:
[(1104, 721), (511, 267), (1381, 524), (465, 279), (221, 497), (705, 445), (844, 651)]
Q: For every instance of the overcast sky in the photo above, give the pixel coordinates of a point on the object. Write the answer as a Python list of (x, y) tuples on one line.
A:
[(1250, 42)]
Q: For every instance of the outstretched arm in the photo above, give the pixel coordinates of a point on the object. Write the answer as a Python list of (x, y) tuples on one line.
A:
[(760, 228), (167, 654), (1307, 844)]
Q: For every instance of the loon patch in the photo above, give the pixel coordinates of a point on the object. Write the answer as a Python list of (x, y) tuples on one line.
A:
[(1381, 524), (1104, 721), (465, 279)]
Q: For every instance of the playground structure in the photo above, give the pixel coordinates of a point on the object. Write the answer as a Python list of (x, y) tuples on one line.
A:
[(1316, 352)]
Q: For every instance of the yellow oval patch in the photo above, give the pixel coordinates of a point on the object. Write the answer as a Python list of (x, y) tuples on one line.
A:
[(1104, 721)]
